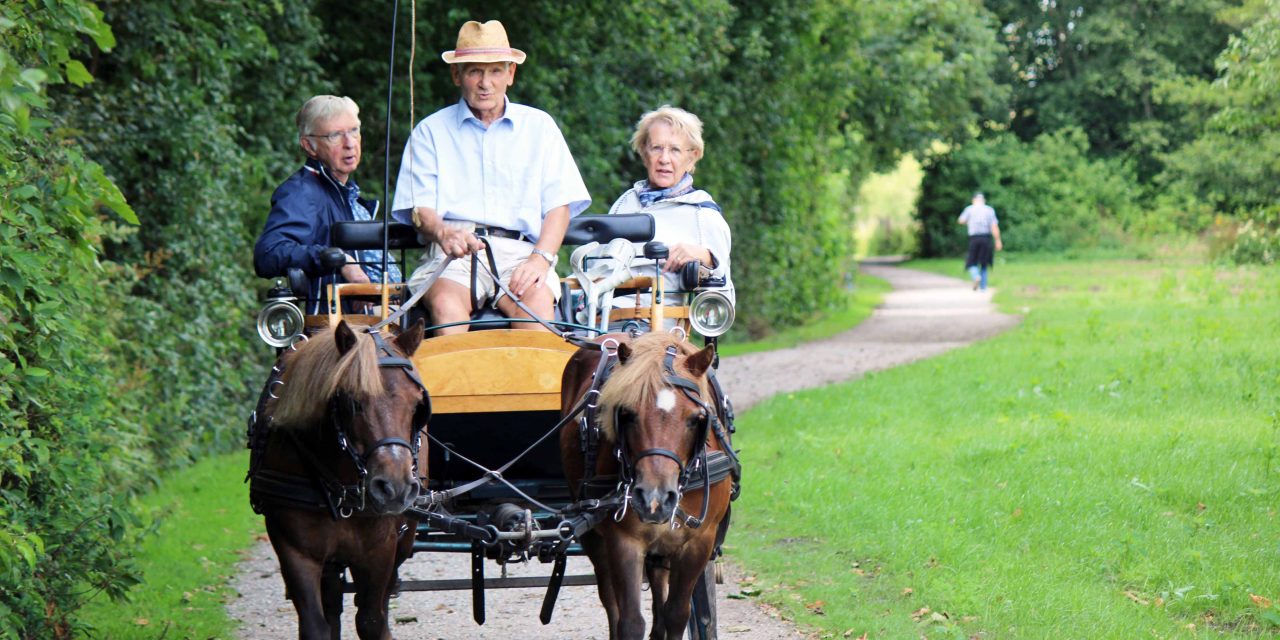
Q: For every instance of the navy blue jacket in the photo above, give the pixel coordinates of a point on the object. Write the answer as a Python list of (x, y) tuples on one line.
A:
[(302, 211)]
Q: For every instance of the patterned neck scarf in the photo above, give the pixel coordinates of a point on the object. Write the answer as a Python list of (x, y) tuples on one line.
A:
[(649, 196)]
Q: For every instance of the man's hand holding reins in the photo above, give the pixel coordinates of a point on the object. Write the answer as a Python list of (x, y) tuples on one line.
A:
[(455, 242)]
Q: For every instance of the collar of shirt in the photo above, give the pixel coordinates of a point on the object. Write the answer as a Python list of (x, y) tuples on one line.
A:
[(508, 114), (321, 169)]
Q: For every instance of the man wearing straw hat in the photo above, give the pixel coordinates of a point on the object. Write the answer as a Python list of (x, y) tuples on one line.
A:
[(487, 167)]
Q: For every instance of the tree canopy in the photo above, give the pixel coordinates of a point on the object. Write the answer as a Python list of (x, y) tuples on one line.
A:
[(1168, 96)]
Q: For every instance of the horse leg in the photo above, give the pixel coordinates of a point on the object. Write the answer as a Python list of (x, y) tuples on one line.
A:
[(372, 593), (626, 573), (302, 576), (593, 545), (686, 568), (331, 596), (658, 575)]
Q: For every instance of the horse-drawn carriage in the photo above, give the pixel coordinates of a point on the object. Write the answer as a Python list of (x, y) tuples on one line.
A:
[(510, 445)]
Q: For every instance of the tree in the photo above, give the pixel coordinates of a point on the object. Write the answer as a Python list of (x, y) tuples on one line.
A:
[(1096, 65), (1234, 161)]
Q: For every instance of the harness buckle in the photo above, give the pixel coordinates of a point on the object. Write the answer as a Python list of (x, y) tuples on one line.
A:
[(626, 501)]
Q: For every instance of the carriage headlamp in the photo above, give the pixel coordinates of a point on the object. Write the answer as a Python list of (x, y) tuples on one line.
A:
[(711, 313), (280, 319)]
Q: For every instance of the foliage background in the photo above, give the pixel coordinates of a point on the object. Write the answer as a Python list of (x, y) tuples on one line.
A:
[(144, 138), (1175, 104)]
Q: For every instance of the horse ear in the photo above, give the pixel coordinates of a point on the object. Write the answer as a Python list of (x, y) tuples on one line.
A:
[(699, 362), (344, 336), (624, 353), (409, 339)]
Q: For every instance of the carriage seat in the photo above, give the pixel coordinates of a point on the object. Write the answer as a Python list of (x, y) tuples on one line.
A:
[(361, 234)]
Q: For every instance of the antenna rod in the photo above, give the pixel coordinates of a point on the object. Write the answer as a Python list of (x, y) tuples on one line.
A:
[(386, 170)]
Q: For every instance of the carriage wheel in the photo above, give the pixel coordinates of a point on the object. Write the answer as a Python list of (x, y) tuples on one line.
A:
[(702, 618)]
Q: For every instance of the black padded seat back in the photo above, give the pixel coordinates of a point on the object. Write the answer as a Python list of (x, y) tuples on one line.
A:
[(636, 227), (367, 234)]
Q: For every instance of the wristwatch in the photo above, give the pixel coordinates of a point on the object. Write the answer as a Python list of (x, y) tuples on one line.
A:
[(551, 258)]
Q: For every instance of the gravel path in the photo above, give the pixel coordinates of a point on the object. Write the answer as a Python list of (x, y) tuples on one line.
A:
[(923, 316)]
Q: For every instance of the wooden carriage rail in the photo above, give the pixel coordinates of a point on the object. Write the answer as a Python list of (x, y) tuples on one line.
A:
[(654, 313)]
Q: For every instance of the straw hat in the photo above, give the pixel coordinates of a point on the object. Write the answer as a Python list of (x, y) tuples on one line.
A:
[(483, 43)]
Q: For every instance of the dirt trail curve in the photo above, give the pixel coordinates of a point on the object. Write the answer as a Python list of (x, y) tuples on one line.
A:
[(923, 316)]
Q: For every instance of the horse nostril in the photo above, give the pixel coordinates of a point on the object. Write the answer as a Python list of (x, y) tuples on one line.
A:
[(381, 489), (672, 500)]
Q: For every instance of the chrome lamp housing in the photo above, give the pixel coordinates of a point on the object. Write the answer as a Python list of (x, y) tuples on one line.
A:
[(711, 314), (280, 322)]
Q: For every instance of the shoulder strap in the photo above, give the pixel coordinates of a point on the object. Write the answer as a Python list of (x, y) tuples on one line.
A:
[(709, 204)]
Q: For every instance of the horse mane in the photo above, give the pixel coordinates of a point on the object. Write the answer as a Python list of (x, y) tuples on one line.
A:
[(316, 372), (639, 379)]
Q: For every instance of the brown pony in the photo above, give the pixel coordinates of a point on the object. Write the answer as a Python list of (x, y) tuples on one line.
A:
[(655, 425), (337, 472)]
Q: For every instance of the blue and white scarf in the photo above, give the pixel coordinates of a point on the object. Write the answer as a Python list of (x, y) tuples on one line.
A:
[(649, 196), (371, 259)]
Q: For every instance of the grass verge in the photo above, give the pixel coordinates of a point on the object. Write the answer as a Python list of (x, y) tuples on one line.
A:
[(202, 523), (1111, 469), (868, 294)]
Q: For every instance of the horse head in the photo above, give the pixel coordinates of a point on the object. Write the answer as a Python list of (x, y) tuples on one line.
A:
[(655, 407), (361, 389)]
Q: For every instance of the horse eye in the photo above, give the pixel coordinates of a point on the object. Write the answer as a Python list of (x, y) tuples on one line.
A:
[(626, 416), (696, 419)]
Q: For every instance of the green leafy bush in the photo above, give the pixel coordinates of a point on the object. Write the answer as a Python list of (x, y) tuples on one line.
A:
[(1048, 194), (69, 438), (195, 123), (1232, 164)]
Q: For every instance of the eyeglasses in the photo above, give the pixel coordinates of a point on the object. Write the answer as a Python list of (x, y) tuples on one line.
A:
[(656, 150), (337, 136)]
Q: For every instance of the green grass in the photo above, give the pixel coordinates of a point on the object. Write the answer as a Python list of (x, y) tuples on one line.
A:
[(868, 293), (1110, 469), (203, 525)]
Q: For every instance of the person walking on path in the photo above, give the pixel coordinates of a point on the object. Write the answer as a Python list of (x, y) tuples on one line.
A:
[(983, 230)]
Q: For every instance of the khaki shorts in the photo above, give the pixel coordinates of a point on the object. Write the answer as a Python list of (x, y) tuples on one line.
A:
[(508, 254)]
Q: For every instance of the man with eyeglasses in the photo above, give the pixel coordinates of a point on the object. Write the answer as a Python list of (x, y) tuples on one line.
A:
[(322, 192), (488, 167)]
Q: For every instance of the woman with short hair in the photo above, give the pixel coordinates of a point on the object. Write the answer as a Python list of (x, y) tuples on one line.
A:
[(669, 142)]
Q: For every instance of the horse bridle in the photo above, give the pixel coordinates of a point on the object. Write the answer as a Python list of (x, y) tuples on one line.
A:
[(627, 462), (344, 408)]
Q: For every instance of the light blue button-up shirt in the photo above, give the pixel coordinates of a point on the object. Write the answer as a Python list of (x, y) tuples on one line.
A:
[(509, 174)]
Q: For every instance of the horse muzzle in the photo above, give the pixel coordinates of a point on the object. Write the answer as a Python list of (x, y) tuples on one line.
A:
[(387, 496), (391, 487), (654, 505)]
